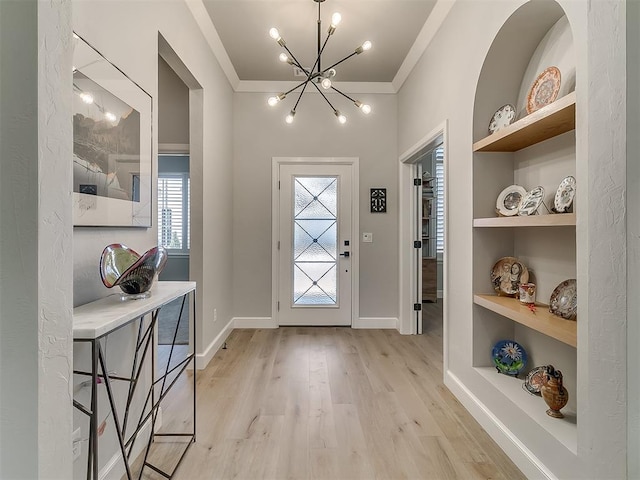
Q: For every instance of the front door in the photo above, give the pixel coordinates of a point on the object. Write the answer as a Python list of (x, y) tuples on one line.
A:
[(315, 212)]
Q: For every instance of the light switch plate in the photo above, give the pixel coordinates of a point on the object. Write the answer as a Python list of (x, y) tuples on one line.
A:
[(367, 238)]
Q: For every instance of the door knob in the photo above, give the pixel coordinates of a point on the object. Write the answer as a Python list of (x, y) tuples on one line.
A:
[(345, 254)]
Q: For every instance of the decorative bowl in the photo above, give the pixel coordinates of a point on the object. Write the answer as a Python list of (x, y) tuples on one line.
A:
[(133, 273)]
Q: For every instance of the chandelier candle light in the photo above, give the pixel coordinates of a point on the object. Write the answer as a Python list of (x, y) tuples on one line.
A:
[(316, 75)]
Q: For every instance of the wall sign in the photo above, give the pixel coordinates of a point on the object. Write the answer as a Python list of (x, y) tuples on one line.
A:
[(378, 200)]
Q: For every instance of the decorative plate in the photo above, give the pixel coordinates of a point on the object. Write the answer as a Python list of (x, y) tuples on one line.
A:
[(531, 202), (509, 357), (533, 381), (544, 90), (508, 201), (503, 117), (564, 195), (507, 275), (564, 300)]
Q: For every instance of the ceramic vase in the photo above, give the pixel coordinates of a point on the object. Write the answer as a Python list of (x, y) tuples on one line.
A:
[(553, 392)]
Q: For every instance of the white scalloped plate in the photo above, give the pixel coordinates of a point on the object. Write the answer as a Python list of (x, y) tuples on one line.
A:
[(564, 195), (508, 202)]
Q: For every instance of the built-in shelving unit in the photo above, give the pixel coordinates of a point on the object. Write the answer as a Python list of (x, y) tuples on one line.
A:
[(557, 220), (539, 149), (543, 321), (548, 122)]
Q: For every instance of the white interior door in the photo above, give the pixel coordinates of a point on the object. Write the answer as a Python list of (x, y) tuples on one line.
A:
[(314, 262)]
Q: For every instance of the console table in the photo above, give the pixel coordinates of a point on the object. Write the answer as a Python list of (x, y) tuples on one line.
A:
[(92, 323)]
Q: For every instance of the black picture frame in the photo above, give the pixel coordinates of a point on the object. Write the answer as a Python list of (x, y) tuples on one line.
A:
[(378, 200)]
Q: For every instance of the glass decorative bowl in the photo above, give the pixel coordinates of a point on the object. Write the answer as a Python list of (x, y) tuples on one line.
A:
[(133, 273)]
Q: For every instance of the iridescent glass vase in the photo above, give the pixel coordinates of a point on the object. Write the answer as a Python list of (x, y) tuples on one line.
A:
[(133, 273)]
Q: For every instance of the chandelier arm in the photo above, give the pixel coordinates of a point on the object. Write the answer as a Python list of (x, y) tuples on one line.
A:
[(338, 63), (324, 96), (311, 75), (343, 94), (298, 64), (296, 87), (301, 93)]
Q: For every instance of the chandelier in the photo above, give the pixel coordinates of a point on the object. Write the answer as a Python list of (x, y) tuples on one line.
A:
[(316, 75)]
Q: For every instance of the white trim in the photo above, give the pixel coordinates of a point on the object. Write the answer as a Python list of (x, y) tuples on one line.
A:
[(266, 86), (354, 162), (409, 274), (429, 29), (254, 322), (375, 323), (202, 18), (517, 451), (203, 359), (114, 468)]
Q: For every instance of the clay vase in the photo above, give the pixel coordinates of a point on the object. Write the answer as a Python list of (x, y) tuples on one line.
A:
[(553, 392)]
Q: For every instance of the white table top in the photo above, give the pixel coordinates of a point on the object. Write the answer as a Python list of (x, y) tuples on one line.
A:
[(94, 319)]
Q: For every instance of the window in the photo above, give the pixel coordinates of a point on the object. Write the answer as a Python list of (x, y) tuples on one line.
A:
[(173, 212), (439, 154)]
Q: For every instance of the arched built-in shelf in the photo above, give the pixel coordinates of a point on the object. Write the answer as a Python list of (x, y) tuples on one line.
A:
[(537, 149)]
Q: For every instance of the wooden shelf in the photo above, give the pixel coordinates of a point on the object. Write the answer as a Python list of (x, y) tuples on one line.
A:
[(552, 220), (543, 321), (548, 122)]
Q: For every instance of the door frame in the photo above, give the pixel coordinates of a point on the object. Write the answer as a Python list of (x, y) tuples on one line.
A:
[(409, 272), (354, 162)]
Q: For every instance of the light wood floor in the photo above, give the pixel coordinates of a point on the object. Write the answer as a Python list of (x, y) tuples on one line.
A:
[(330, 403)]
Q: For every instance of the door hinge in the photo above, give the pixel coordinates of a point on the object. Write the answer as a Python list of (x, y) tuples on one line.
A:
[(278, 244), (417, 182), (417, 244), (278, 184), (278, 306), (417, 307)]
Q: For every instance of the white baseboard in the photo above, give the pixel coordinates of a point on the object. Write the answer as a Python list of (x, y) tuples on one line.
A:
[(254, 322), (114, 468), (524, 458), (203, 359), (375, 322)]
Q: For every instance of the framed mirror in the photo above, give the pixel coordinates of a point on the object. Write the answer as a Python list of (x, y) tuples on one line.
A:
[(111, 144)]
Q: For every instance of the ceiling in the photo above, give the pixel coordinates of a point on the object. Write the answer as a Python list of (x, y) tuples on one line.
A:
[(391, 25)]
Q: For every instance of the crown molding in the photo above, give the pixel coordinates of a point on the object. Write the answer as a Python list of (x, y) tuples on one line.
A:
[(202, 18), (435, 20), (246, 86)]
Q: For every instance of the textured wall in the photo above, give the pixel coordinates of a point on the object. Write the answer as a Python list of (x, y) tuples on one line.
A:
[(633, 233), (35, 240)]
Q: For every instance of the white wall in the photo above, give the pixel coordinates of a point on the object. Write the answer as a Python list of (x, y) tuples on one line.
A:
[(173, 107), (35, 240), (260, 133), (428, 98), (135, 51), (126, 33)]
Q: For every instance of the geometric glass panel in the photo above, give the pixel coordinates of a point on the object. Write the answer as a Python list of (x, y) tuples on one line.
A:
[(315, 241)]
